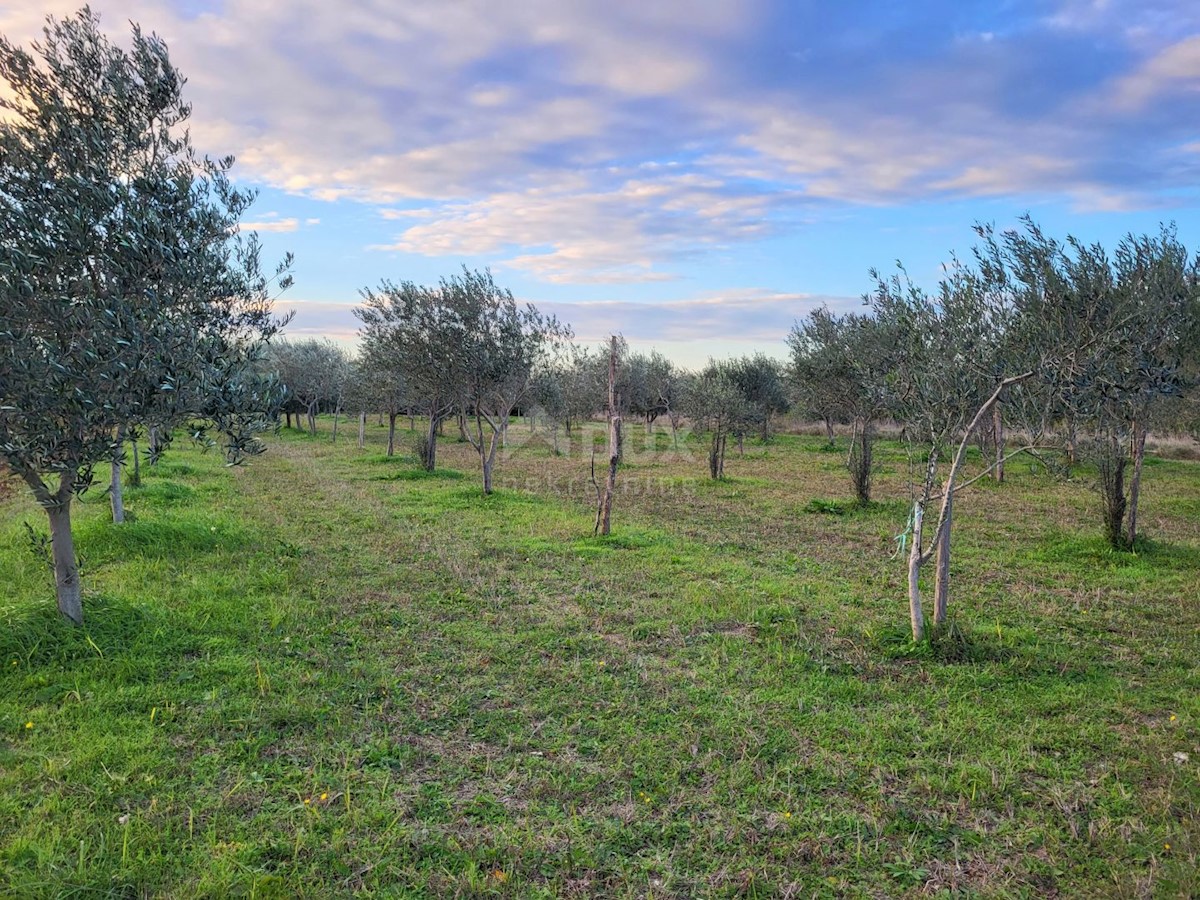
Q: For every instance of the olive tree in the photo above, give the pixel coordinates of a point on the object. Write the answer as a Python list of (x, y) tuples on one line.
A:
[(716, 405), (128, 296), (501, 343), (423, 338), (761, 381), (1135, 309), (1033, 322), (841, 364), (315, 373)]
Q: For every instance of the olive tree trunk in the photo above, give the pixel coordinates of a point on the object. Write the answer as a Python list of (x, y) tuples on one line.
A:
[(605, 498), (429, 457), (915, 614), (1138, 452), (941, 586), (391, 448), (62, 541), (116, 495), (998, 432), (362, 430)]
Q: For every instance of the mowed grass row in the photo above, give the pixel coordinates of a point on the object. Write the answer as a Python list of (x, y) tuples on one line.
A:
[(329, 672)]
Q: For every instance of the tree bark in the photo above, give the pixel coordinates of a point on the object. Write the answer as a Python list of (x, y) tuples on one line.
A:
[(829, 430), (66, 570), (362, 430), (1138, 449), (604, 512), (337, 411), (489, 461), (136, 478), (998, 431), (116, 495), (941, 589), (430, 460), (391, 450), (312, 420), (915, 614)]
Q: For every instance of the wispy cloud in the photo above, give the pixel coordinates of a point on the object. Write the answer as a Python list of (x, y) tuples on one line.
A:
[(270, 224)]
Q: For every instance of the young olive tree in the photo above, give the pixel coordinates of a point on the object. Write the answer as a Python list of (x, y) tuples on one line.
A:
[(716, 405), (761, 381), (841, 365), (1136, 309), (501, 344), (1034, 323), (819, 376), (128, 297), (424, 339)]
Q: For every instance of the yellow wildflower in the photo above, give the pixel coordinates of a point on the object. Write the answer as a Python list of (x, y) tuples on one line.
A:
[(28, 724)]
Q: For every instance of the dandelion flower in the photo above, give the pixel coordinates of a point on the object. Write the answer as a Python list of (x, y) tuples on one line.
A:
[(1172, 717), (307, 800), (28, 724), (324, 795)]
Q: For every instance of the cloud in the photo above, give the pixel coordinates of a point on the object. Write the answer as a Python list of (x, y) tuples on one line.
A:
[(610, 141), (269, 223), (1176, 67), (579, 231)]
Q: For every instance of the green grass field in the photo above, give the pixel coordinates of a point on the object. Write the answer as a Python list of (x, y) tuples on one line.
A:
[(329, 673)]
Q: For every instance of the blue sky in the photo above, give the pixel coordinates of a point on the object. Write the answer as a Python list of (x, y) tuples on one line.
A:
[(694, 173)]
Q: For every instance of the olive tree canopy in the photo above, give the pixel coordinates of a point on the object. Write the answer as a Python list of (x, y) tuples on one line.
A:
[(127, 295)]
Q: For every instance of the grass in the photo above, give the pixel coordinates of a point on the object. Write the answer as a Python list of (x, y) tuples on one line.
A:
[(327, 673)]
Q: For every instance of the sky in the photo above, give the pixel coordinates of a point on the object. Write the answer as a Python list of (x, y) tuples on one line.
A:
[(696, 174)]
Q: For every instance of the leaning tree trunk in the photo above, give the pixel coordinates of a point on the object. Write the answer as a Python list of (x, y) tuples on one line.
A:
[(115, 493), (998, 431), (941, 588), (1138, 453)]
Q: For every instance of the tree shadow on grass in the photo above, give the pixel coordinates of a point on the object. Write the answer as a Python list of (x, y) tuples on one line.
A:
[(100, 542), (39, 637), (1092, 551)]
